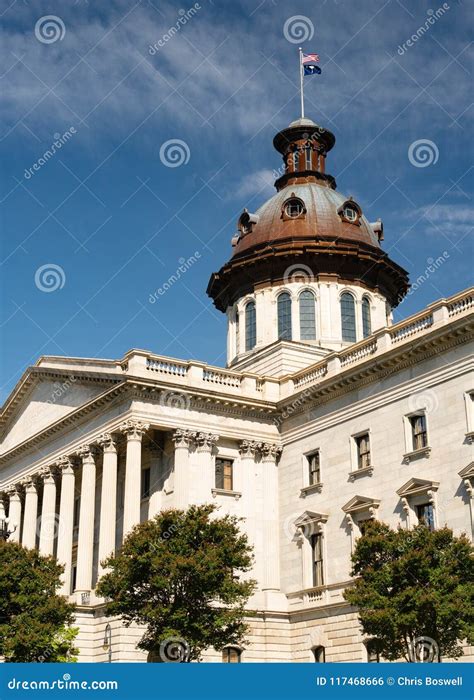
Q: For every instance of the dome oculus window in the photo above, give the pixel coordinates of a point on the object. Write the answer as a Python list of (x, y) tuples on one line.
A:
[(293, 208), (350, 212)]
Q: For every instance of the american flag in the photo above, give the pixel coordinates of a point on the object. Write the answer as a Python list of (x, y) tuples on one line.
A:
[(309, 58)]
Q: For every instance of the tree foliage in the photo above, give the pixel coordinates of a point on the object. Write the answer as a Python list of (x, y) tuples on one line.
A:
[(177, 574), (34, 619), (414, 590)]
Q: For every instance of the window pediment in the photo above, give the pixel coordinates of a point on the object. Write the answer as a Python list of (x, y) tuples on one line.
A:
[(467, 472), (358, 504), (308, 518), (417, 487)]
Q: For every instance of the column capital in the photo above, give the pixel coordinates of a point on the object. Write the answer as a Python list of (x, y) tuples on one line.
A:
[(183, 438), (30, 483), (249, 449), (86, 453), (46, 474), (107, 442), (13, 491), (134, 429), (270, 451), (65, 465), (206, 441)]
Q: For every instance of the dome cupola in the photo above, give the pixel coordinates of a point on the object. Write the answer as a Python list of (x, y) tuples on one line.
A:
[(308, 255)]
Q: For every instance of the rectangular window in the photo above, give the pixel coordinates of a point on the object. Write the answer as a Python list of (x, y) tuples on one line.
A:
[(146, 474), (425, 515), (308, 159), (224, 474), (317, 553), (418, 431), (363, 451), (314, 469)]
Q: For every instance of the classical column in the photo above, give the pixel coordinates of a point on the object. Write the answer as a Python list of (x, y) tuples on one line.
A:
[(134, 431), (31, 514), (85, 545), (14, 513), (66, 521), (271, 568), (182, 440), (48, 514), (156, 480), (108, 501), (205, 444), (248, 453)]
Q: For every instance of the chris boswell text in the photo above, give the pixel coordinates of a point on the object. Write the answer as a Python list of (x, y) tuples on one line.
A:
[(390, 680)]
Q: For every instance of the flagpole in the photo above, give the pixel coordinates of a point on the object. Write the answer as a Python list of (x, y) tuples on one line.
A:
[(301, 83)]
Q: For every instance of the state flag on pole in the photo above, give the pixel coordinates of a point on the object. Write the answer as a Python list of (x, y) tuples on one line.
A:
[(312, 70), (309, 58)]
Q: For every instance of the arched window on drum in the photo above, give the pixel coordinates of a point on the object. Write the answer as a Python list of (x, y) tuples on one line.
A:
[(307, 304), (348, 324)]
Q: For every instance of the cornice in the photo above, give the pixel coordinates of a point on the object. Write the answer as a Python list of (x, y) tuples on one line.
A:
[(376, 368), (370, 404)]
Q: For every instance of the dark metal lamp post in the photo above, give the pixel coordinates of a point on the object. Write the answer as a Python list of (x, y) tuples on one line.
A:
[(4, 531)]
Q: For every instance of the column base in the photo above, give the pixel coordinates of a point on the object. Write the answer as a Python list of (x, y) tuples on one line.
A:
[(275, 600)]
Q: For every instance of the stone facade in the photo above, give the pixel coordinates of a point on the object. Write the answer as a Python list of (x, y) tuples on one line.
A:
[(79, 435)]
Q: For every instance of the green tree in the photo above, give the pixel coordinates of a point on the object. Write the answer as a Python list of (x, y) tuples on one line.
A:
[(414, 591), (34, 619), (177, 574)]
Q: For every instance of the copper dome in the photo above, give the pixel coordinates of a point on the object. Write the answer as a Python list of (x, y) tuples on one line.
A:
[(321, 220), (306, 222)]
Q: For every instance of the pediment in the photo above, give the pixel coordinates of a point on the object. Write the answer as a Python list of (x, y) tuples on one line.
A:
[(43, 397), (310, 517), (358, 503), (467, 472), (416, 486)]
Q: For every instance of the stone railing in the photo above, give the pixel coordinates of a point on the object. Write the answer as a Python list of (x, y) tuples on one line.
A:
[(417, 325), (408, 329), (348, 357), (200, 375), (318, 597)]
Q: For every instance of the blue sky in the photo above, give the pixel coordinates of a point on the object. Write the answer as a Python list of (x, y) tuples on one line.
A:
[(117, 222)]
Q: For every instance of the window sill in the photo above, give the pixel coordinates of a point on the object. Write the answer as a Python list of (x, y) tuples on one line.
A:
[(312, 488), (226, 492), (365, 471), (415, 454)]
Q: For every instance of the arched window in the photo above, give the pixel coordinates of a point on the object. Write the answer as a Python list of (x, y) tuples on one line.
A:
[(250, 326), (237, 332), (296, 161), (231, 655), (319, 654), (348, 326), (366, 325), (307, 315), (284, 316)]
